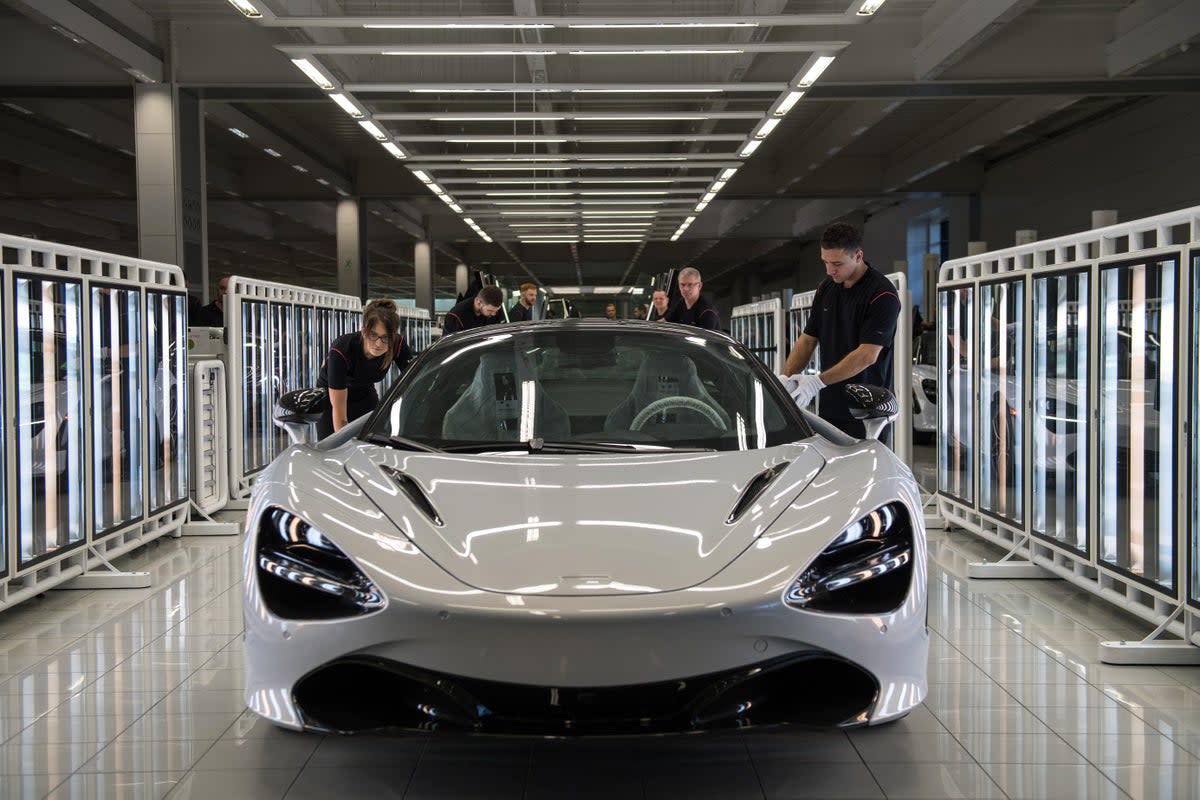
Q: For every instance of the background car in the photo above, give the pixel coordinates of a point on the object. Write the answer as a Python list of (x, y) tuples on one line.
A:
[(585, 527)]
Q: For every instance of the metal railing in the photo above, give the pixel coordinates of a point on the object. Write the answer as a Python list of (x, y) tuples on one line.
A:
[(1066, 413)]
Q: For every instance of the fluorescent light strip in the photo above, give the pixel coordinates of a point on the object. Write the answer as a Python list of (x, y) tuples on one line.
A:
[(581, 193), (433, 187), (315, 75), (664, 90), (272, 153), (457, 90), (299, 168), (717, 186), (502, 118), (394, 150), (480, 52), (455, 26), (703, 204), (789, 102), (764, 130), (750, 147), (543, 225), (422, 176), (671, 24), (685, 51), (373, 129), (507, 140), (346, 105), (820, 65), (239, 133), (869, 7), (517, 169), (455, 207), (574, 202), (247, 8)]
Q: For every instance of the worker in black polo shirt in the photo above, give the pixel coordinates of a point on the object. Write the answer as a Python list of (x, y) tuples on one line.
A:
[(482, 309), (692, 309), (853, 318), (522, 310), (357, 361)]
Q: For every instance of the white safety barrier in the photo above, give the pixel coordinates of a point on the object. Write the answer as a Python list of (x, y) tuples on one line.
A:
[(766, 319), (1067, 404), (276, 336), (759, 326), (94, 424)]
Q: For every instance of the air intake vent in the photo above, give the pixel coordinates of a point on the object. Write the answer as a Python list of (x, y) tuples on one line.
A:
[(758, 484), (412, 490)]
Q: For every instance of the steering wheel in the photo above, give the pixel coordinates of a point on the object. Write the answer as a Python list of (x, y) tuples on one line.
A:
[(678, 401)]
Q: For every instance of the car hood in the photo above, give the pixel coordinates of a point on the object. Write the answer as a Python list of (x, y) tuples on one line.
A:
[(584, 524)]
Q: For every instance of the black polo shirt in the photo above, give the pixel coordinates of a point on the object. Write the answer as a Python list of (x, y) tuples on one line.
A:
[(703, 314), (519, 313), (463, 317), (347, 365), (841, 320)]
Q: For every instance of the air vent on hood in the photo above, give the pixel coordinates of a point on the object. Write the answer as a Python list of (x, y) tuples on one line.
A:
[(412, 490), (754, 488)]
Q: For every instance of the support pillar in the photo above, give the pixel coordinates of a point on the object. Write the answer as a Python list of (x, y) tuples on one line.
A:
[(423, 272), (462, 279), (1102, 218), (352, 247), (168, 133), (1026, 236)]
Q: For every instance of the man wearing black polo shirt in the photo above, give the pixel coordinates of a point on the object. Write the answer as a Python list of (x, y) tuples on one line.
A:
[(522, 310), (692, 309), (482, 309), (853, 318)]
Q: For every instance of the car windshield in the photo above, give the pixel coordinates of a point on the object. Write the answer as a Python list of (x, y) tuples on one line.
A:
[(571, 387)]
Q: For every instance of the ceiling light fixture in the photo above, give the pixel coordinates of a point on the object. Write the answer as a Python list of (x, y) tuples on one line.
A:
[(299, 168), (656, 90), (787, 104), (869, 7), (750, 147), (433, 187), (729, 173), (239, 133), (480, 52), (394, 149), (674, 51), (422, 176), (454, 26), (347, 105), (373, 129), (764, 130), (669, 24), (462, 90), (507, 140), (247, 9), (314, 74), (500, 118), (820, 65), (272, 153)]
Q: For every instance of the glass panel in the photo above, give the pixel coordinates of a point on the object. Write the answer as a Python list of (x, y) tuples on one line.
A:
[(956, 420), (1194, 426), (3, 441), (309, 353), (1001, 393), (49, 344), (258, 393), (116, 413), (1060, 404), (166, 349), (283, 364), (1137, 407)]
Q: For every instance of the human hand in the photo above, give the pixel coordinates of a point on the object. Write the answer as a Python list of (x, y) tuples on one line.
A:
[(806, 390)]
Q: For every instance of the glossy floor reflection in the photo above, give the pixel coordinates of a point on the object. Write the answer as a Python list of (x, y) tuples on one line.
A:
[(137, 694)]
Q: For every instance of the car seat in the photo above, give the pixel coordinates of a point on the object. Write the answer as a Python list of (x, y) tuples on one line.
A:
[(490, 409), (661, 375)]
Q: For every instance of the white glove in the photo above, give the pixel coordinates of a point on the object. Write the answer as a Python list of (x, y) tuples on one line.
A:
[(790, 382), (807, 389)]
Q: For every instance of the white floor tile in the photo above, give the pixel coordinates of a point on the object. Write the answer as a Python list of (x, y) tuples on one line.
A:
[(116, 786)]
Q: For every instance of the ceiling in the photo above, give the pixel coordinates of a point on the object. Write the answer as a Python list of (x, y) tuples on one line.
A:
[(573, 142)]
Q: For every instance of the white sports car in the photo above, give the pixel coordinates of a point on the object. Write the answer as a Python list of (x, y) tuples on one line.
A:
[(586, 526)]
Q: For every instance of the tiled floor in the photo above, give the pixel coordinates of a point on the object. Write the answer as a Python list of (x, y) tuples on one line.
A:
[(137, 694)]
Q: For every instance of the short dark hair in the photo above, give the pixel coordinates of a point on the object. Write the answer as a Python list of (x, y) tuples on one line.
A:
[(527, 286), (491, 296), (841, 236)]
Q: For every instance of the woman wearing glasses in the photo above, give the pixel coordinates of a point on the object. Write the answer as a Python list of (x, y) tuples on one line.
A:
[(357, 361)]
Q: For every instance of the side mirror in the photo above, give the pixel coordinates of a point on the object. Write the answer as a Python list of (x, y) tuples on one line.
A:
[(296, 412), (874, 405)]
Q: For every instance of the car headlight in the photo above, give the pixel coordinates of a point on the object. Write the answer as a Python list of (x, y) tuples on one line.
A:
[(867, 569), (303, 575), (929, 386)]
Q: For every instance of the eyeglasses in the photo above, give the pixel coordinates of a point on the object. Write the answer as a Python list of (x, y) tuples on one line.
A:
[(375, 338), (687, 285)]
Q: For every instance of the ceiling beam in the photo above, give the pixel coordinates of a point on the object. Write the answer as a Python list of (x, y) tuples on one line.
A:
[(600, 50), (49, 217), (550, 21), (1148, 29), (448, 87), (116, 42), (947, 41)]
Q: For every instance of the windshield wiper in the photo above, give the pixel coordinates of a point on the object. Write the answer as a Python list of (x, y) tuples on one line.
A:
[(536, 445), (400, 443)]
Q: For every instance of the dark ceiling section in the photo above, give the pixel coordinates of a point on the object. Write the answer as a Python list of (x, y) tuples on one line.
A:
[(528, 152)]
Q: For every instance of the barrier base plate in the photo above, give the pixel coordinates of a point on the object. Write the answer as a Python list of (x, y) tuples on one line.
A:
[(1154, 653), (107, 579), (203, 527), (1008, 570)]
